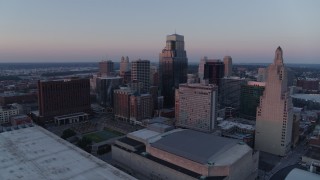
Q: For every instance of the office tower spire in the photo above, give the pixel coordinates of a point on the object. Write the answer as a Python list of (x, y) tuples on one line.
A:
[(278, 59), (173, 65), (274, 114)]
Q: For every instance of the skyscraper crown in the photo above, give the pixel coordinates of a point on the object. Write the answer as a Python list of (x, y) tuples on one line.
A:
[(278, 59)]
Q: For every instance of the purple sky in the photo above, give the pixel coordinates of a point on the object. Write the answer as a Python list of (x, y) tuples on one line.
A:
[(82, 30)]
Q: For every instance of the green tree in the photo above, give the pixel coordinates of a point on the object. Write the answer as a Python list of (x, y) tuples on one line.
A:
[(67, 133)]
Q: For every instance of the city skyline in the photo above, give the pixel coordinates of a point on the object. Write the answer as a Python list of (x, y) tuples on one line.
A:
[(80, 31)]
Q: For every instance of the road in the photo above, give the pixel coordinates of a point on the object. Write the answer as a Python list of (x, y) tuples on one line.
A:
[(292, 158)]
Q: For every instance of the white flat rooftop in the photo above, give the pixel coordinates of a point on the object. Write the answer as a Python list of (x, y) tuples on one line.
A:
[(308, 97), (143, 135), (35, 153)]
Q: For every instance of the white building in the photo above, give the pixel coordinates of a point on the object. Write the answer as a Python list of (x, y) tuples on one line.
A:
[(7, 112), (196, 106), (274, 114)]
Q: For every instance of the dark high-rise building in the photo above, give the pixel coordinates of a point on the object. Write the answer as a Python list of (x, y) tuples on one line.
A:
[(62, 97), (211, 70), (105, 88), (105, 68), (250, 99), (140, 72), (173, 66)]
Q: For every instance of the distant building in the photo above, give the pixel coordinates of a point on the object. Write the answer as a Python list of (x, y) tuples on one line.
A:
[(237, 128), (141, 107), (140, 71), (262, 74), (122, 103), (154, 76), (173, 67), (124, 65), (196, 107), (312, 85), (227, 61), (6, 112), (161, 153), (296, 126), (20, 120), (211, 70), (105, 88), (15, 97), (250, 99), (275, 113), (61, 97), (229, 95), (106, 68)]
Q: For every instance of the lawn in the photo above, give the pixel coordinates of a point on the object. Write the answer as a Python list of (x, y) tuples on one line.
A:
[(102, 135)]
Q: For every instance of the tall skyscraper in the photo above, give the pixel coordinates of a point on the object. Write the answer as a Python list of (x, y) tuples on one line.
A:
[(195, 106), (124, 65), (275, 112), (140, 71), (173, 67), (250, 99), (106, 68), (211, 70), (227, 60), (105, 88)]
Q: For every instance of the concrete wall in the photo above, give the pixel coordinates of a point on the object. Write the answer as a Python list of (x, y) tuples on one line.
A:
[(148, 168), (245, 168)]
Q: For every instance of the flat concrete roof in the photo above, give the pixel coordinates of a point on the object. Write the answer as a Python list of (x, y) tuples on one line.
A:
[(143, 135), (308, 97), (201, 147), (35, 153)]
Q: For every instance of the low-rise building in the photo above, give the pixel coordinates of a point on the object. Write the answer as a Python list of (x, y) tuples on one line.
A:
[(6, 112), (185, 154)]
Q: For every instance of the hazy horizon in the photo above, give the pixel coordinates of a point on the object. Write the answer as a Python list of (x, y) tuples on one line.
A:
[(90, 31)]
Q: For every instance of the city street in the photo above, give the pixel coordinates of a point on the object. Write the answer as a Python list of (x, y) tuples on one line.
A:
[(292, 158)]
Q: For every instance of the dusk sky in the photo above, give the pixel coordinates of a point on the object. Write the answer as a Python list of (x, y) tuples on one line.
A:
[(92, 30)]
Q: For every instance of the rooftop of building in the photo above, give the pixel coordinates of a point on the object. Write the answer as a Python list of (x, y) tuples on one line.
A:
[(308, 97), (143, 135), (198, 85), (201, 147), (256, 83), (110, 77), (63, 80), (35, 153), (226, 124), (11, 94)]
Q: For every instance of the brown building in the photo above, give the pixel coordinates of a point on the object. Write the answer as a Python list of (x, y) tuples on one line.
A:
[(62, 97), (141, 107), (121, 103), (105, 68), (9, 98), (309, 84)]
